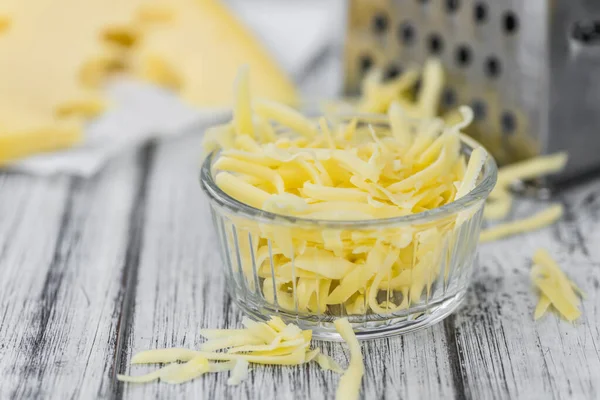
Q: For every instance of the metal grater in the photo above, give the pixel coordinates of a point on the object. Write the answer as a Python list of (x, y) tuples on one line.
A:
[(529, 68)]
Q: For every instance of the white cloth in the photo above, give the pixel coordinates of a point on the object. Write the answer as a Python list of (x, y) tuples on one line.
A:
[(295, 32)]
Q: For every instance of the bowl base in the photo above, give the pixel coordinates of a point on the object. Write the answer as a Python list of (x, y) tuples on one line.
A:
[(364, 330)]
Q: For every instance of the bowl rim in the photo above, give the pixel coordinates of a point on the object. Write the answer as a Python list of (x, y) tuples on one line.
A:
[(481, 191)]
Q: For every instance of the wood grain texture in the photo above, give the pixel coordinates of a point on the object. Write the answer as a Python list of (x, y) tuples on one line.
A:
[(63, 244)]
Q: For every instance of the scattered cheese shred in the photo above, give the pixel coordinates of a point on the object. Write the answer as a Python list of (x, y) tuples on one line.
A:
[(533, 168), (268, 343), (190, 370), (555, 288), (535, 222), (349, 386), (239, 372), (500, 200)]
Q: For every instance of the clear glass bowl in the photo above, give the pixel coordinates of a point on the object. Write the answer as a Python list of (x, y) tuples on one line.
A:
[(432, 272)]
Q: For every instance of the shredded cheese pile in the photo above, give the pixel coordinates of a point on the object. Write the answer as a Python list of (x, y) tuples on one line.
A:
[(396, 97), (555, 288), (271, 343), (341, 171)]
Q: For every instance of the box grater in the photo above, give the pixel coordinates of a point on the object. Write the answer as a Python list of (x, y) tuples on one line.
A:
[(530, 69)]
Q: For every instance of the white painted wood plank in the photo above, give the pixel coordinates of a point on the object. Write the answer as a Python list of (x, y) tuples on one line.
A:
[(26, 253), (180, 289), (504, 352), (63, 254)]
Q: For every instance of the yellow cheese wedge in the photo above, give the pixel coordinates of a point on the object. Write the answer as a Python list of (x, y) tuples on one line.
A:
[(41, 73), (204, 47), (4, 23), (47, 137)]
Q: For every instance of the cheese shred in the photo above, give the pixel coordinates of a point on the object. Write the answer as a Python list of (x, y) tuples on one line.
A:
[(267, 343), (350, 382), (535, 222), (555, 288)]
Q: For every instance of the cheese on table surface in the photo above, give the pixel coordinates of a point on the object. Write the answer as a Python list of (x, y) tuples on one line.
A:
[(555, 288), (268, 343), (203, 48), (341, 170), (500, 200), (535, 222), (532, 168), (350, 382)]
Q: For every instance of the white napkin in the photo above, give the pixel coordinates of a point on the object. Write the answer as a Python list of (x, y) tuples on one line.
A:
[(294, 32)]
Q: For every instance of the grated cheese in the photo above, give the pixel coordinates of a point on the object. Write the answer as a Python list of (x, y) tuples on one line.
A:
[(239, 373), (349, 386), (555, 288), (267, 343), (535, 222), (532, 168), (323, 171)]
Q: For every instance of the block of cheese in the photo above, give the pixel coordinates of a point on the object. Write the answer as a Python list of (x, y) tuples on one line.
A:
[(53, 54), (44, 53), (200, 52), (4, 23)]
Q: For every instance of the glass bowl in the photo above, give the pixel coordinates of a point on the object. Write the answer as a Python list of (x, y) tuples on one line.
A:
[(436, 254)]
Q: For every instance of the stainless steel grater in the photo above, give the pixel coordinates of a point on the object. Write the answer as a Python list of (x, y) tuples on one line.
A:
[(529, 68)]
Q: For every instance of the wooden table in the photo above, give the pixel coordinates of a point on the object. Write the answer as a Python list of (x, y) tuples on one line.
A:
[(93, 271)]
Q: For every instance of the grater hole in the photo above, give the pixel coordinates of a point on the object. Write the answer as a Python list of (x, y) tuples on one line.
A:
[(449, 97), (479, 109), (365, 62), (380, 23), (508, 122), (435, 43), (407, 33), (463, 56), (452, 5), (480, 13), (586, 32), (510, 22), (392, 72), (493, 67)]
